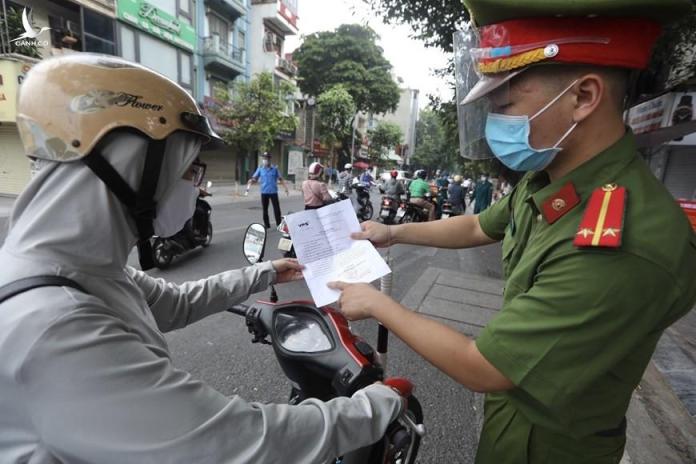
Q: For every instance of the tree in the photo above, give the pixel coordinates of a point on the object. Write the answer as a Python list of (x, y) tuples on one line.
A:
[(351, 57), (336, 111), (15, 27), (256, 113), (433, 21), (384, 137), (430, 140), (674, 59)]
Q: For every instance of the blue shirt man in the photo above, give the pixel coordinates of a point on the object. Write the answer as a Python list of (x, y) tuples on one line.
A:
[(269, 176)]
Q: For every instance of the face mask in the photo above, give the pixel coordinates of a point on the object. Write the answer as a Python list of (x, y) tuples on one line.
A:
[(264, 162), (508, 137), (176, 208), (483, 178)]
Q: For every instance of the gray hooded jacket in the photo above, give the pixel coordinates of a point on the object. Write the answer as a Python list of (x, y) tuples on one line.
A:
[(87, 377)]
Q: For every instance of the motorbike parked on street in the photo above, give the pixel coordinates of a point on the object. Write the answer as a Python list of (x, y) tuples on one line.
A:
[(323, 359), (198, 231)]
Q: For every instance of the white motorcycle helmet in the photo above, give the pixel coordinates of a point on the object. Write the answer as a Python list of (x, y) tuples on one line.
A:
[(348, 167), (315, 169)]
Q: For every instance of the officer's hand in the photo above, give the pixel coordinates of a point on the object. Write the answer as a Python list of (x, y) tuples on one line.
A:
[(379, 234), (287, 270), (358, 300)]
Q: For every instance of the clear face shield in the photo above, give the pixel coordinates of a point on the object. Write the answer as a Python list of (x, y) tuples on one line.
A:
[(477, 93)]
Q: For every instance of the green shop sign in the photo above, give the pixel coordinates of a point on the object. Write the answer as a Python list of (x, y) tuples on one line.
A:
[(157, 22)]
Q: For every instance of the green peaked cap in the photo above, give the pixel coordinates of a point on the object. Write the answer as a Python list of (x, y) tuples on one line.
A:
[(485, 12)]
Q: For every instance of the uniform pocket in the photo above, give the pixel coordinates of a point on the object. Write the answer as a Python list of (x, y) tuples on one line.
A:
[(509, 245)]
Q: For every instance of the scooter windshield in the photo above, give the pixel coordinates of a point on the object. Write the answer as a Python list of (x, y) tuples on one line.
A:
[(300, 333)]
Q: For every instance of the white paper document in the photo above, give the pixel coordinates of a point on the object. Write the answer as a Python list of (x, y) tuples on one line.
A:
[(322, 242)]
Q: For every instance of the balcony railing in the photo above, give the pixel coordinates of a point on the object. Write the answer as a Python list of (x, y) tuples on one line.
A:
[(286, 66), (213, 45)]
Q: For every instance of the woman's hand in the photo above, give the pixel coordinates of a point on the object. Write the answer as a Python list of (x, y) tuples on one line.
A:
[(379, 234), (287, 270), (357, 301)]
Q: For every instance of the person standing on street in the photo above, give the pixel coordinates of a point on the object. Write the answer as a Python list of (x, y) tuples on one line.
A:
[(269, 176), (457, 195), (598, 258), (483, 193)]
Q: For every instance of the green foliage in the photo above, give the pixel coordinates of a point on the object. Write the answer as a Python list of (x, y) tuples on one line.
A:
[(433, 21), (256, 113), (430, 140), (336, 111), (14, 24), (674, 58), (383, 138), (348, 56)]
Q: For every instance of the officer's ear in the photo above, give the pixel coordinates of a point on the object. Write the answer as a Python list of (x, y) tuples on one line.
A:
[(589, 95)]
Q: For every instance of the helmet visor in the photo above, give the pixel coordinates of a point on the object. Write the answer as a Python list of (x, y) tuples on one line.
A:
[(200, 124), (473, 91)]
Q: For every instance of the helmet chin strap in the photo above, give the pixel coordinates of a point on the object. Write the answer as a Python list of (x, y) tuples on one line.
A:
[(141, 205)]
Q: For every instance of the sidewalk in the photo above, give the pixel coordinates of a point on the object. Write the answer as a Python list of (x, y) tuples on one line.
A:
[(661, 420)]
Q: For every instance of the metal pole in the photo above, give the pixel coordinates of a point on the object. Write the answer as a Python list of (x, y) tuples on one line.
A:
[(352, 142), (6, 47)]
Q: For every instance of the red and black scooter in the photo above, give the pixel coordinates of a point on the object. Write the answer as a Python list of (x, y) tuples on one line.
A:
[(323, 359)]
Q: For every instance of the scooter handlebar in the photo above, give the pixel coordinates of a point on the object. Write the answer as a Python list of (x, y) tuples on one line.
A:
[(239, 309)]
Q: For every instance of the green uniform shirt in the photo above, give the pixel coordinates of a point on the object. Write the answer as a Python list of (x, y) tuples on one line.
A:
[(418, 188), (578, 326)]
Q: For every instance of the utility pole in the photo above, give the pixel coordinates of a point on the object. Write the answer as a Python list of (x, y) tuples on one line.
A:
[(352, 142)]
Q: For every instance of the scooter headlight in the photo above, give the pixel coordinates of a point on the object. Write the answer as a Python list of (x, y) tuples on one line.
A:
[(300, 332)]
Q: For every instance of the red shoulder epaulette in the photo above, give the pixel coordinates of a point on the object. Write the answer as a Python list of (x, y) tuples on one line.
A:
[(602, 224)]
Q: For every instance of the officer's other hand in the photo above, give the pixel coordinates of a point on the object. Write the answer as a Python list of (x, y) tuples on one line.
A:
[(287, 270), (379, 234), (358, 300)]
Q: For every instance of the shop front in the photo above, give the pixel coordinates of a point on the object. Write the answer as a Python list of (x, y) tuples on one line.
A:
[(15, 168), (665, 129)]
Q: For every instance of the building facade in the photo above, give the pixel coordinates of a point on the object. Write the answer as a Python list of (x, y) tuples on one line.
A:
[(665, 128), (271, 22), (223, 58), (405, 116)]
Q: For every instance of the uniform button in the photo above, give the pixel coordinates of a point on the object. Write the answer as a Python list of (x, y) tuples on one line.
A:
[(539, 218), (558, 204)]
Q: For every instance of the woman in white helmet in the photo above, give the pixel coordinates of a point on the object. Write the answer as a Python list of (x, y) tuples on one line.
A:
[(85, 372), (316, 194), (345, 179)]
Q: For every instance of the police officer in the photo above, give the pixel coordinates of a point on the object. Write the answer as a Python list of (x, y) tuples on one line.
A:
[(598, 258)]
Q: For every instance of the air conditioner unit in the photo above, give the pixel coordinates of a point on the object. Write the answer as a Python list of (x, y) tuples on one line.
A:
[(215, 42), (269, 39)]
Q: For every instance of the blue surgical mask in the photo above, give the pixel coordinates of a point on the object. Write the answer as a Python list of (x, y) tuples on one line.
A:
[(508, 138)]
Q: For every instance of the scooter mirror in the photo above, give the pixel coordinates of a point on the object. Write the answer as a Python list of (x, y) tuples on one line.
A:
[(254, 243)]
